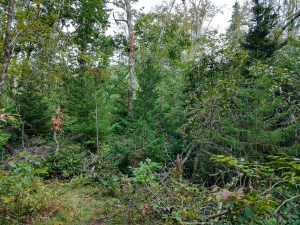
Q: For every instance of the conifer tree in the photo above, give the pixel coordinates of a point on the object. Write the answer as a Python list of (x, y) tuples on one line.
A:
[(90, 21), (32, 105), (235, 28), (259, 41)]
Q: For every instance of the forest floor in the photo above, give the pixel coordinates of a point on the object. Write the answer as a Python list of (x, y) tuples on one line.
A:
[(76, 205)]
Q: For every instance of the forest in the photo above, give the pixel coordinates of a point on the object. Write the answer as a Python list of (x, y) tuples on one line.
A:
[(114, 115)]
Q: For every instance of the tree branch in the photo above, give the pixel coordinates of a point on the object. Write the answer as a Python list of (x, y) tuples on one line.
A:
[(286, 201), (117, 21), (218, 215), (273, 186), (290, 20)]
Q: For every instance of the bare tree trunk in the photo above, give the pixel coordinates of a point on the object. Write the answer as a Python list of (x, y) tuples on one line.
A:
[(195, 167), (131, 57), (6, 47), (126, 5), (179, 166)]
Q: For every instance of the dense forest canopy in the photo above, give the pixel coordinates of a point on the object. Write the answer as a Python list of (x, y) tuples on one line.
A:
[(113, 115)]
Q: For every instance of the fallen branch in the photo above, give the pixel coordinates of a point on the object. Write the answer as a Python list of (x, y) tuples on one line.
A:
[(218, 215), (286, 201), (208, 218), (273, 186)]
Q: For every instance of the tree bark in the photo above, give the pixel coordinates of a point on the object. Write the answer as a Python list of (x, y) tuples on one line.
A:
[(6, 47)]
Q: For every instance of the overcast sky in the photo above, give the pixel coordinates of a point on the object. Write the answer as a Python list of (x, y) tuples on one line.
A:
[(220, 22)]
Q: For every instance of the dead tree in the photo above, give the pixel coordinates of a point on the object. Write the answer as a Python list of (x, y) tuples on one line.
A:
[(126, 6)]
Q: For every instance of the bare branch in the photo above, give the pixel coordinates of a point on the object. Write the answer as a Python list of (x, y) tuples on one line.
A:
[(218, 214), (15, 38), (286, 201), (117, 21), (273, 186), (289, 20)]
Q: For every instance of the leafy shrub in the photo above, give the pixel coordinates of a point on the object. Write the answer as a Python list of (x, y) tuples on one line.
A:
[(261, 192), (150, 197), (145, 173), (7, 122), (67, 163), (18, 187), (4, 138), (100, 171), (253, 196), (26, 199)]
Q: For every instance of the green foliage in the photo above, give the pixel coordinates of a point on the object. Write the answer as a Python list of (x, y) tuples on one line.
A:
[(263, 199), (89, 17), (4, 138), (246, 116), (222, 112), (281, 167), (32, 104), (248, 208), (148, 197), (19, 184), (26, 199), (259, 107), (9, 123), (67, 163), (144, 173), (234, 30), (259, 41)]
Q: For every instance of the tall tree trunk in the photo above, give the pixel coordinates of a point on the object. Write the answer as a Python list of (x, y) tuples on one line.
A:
[(6, 47), (131, 38)]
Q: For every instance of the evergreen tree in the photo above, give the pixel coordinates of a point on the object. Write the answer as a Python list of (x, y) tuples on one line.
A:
[(235, 28), (260, 119), (259, 41), (81, 91), (33, 107)]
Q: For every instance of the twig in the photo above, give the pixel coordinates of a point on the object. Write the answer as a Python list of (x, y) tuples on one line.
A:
[(208, 218), (273, 186), (286, 201), (15, 38), (218, 215), (117, 21)]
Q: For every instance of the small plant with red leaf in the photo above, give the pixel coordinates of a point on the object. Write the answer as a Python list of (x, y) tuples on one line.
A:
[(56, 122)]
